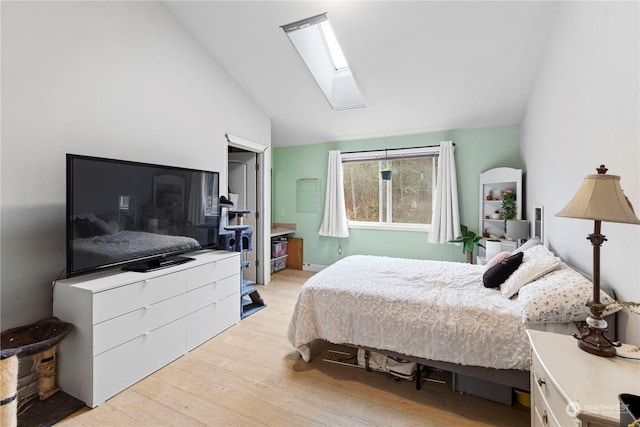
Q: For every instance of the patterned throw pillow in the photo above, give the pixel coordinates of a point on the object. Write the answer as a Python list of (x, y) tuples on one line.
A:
[(496, 260), (497, 274), (537, 262), (558, 297)]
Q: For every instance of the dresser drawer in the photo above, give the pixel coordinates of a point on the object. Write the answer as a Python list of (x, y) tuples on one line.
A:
[(127, 364), (553, 402), (212, 292), (208, 273), (121, 329), (212, 319), (541, 415), (124, 299)]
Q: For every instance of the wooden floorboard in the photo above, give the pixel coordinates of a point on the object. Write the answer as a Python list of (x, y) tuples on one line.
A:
[(250, 375)]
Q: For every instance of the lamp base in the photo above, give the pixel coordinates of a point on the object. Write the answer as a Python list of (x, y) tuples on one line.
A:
[(593, 338)]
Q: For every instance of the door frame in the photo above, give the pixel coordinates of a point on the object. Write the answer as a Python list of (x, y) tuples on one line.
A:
[(246, 162), (263, 203)]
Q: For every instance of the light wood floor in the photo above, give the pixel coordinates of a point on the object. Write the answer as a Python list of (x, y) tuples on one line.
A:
[(250, 375)]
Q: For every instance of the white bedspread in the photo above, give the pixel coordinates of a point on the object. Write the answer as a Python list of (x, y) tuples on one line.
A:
[(430, 309)]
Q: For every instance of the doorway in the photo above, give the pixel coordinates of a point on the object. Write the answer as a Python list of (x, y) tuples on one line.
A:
[(242, 183), (246, 162)]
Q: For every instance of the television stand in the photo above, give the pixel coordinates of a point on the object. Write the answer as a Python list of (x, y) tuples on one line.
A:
[(127, 325), (156, 264)]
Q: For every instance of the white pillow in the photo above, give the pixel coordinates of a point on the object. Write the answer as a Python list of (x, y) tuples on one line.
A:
[(536, 262), (558, 297), (534, 241)]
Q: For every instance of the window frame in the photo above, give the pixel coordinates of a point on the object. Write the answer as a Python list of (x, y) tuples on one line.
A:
[(393, 154)]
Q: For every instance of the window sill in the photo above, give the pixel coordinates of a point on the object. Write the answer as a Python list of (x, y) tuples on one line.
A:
[(425, 228)]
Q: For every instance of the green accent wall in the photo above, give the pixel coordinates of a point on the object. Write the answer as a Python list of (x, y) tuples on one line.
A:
[(477, 150)]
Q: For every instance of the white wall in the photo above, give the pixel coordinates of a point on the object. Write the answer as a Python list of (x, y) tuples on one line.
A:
[(584, 112), (112, 79)]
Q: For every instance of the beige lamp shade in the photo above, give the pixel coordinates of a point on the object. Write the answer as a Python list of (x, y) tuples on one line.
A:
[(600, 198)]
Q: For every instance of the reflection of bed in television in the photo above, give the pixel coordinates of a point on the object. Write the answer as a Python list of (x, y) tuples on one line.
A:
[(100, 243), (123, 245)]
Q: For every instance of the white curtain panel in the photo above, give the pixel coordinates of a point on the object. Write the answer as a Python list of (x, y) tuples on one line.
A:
[(334, 220), (445, 222)]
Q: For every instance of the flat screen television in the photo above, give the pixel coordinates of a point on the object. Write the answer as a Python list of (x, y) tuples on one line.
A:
[(137, 215)]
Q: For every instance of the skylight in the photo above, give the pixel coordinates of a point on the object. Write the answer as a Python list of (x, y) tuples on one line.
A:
[(333, 47), (318, 47)]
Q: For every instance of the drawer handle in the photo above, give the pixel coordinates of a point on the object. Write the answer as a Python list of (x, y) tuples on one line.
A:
[(545, 418), (541, 382)]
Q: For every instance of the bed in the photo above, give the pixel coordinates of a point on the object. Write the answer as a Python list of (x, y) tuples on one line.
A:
[(126, 244), (439, 313), (97, 241)]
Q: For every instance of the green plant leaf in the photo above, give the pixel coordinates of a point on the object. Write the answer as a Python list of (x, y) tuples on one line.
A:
[(469, 239)]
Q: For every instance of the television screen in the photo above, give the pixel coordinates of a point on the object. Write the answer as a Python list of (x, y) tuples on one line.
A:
[(136, 214)]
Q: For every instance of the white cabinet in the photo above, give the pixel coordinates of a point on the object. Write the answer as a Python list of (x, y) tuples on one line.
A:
[(570, 387), (213, 299), (127, 325), (493, 184)]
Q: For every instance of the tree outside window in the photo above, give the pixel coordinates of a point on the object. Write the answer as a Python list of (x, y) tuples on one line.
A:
[(405, 199)]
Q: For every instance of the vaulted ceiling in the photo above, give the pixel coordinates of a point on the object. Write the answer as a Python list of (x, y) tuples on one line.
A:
[(422, 66)]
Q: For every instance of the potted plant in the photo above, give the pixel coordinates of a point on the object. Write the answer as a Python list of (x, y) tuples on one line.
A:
[(386, 173), (509, 208), (469, 240)]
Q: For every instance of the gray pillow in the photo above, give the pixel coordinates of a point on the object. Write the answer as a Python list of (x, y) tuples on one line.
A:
[(110, 227), (534, 241)]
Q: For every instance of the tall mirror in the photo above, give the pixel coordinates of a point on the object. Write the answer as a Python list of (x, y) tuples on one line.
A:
[(537, 222)]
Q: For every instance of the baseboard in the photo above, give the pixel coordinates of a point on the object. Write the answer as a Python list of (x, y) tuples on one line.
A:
[(313, 267)]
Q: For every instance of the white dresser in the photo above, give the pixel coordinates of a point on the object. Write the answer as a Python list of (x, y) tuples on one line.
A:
[(570, 387), (128, 325)]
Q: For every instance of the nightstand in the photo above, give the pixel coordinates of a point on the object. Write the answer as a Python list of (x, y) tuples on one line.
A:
[(570, 387)]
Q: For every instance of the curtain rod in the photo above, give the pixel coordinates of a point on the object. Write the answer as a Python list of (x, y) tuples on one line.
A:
[(392, 149)]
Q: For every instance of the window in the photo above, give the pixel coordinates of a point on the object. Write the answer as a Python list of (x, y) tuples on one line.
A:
[(333, 47), (318, 46), (404, 202)]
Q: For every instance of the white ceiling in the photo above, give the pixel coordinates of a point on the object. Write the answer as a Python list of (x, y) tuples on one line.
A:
[(423, 66)]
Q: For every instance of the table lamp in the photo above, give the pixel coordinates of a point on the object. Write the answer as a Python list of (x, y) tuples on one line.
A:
[(600, 198), (517, 229)]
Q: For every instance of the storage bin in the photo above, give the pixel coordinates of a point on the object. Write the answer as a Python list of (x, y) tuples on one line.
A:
[(523, 398), (482, 388), (278, 264), (278, 249)]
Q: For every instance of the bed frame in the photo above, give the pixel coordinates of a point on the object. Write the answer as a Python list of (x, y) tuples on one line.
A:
[(513, 378), (489, 383), (507, 377)]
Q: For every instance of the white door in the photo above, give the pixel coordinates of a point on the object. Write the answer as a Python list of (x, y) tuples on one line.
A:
[(242, 181)]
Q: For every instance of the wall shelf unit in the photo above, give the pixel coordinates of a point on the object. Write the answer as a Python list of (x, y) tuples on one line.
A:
[(493, 183)]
